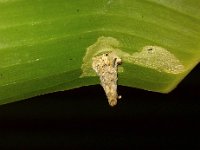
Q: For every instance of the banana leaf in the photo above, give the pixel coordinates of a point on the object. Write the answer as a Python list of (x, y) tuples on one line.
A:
[(43, 43)]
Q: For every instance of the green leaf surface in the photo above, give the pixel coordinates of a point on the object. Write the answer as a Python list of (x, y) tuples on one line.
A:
[(43, 42)]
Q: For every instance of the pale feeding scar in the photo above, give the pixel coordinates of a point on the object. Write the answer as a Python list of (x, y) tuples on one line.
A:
[(103, 57)]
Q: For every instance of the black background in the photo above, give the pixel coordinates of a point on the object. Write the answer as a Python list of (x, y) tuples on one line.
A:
[(82, 118)]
